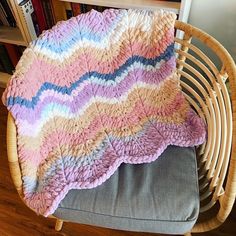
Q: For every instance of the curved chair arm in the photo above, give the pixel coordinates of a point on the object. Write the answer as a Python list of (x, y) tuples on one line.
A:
[(12, 155), (228, 196)]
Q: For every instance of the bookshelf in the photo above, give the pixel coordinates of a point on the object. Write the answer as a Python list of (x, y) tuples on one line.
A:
[(4, 78), (182, 7), (11, 35), (22, 34), (139, 4)]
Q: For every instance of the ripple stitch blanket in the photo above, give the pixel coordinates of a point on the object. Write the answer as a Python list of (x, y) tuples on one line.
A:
[(93, 92)]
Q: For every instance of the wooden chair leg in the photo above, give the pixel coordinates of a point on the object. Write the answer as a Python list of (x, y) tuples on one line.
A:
[(58, 225), (188, 234)]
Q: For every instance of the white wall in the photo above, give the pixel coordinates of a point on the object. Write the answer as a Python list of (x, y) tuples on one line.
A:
[(218, 18)]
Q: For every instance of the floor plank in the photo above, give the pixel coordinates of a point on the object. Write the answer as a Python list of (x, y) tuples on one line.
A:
[(18, 220)]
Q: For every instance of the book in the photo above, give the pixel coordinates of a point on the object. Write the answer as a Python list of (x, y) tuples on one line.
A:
[(9, 16), (96, 8), (13, 53), (38, 9), (59, 10), (76, 9), (100, 8), (11, 8), (25, 11), (69, 12), (1, 67), (47, 10), (83, 8), (35, 23), (21, 49), (5, 60), (90, 7), (3, 16)]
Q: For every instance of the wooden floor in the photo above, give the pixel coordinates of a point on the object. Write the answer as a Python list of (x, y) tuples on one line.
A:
[(17, 220)]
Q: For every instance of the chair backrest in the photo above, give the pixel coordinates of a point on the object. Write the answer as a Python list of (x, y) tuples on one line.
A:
[(205, 88), (210, 89)]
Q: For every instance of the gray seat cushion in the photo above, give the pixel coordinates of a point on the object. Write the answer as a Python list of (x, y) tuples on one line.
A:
[(160, 197)]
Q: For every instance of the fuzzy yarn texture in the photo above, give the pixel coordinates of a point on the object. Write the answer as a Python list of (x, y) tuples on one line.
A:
[(95, 91)]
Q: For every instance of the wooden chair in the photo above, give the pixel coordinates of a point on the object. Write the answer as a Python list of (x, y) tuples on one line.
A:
[(205, 87)]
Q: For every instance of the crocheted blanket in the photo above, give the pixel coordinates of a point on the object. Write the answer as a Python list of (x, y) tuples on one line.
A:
[(93, 92)]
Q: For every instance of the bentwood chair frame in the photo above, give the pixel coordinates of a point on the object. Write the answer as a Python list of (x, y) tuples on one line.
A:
[(204, 85)]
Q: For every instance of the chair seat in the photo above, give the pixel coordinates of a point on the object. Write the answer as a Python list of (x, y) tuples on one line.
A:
[(160, 197)]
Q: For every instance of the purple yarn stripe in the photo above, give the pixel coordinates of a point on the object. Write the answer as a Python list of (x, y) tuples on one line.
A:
[(83, 97)]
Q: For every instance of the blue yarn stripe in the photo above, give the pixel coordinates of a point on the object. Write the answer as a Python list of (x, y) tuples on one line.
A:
[(169, 52), (75, 35)]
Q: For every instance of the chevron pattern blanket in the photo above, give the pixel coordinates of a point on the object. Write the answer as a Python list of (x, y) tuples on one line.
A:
[(93, 92)]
